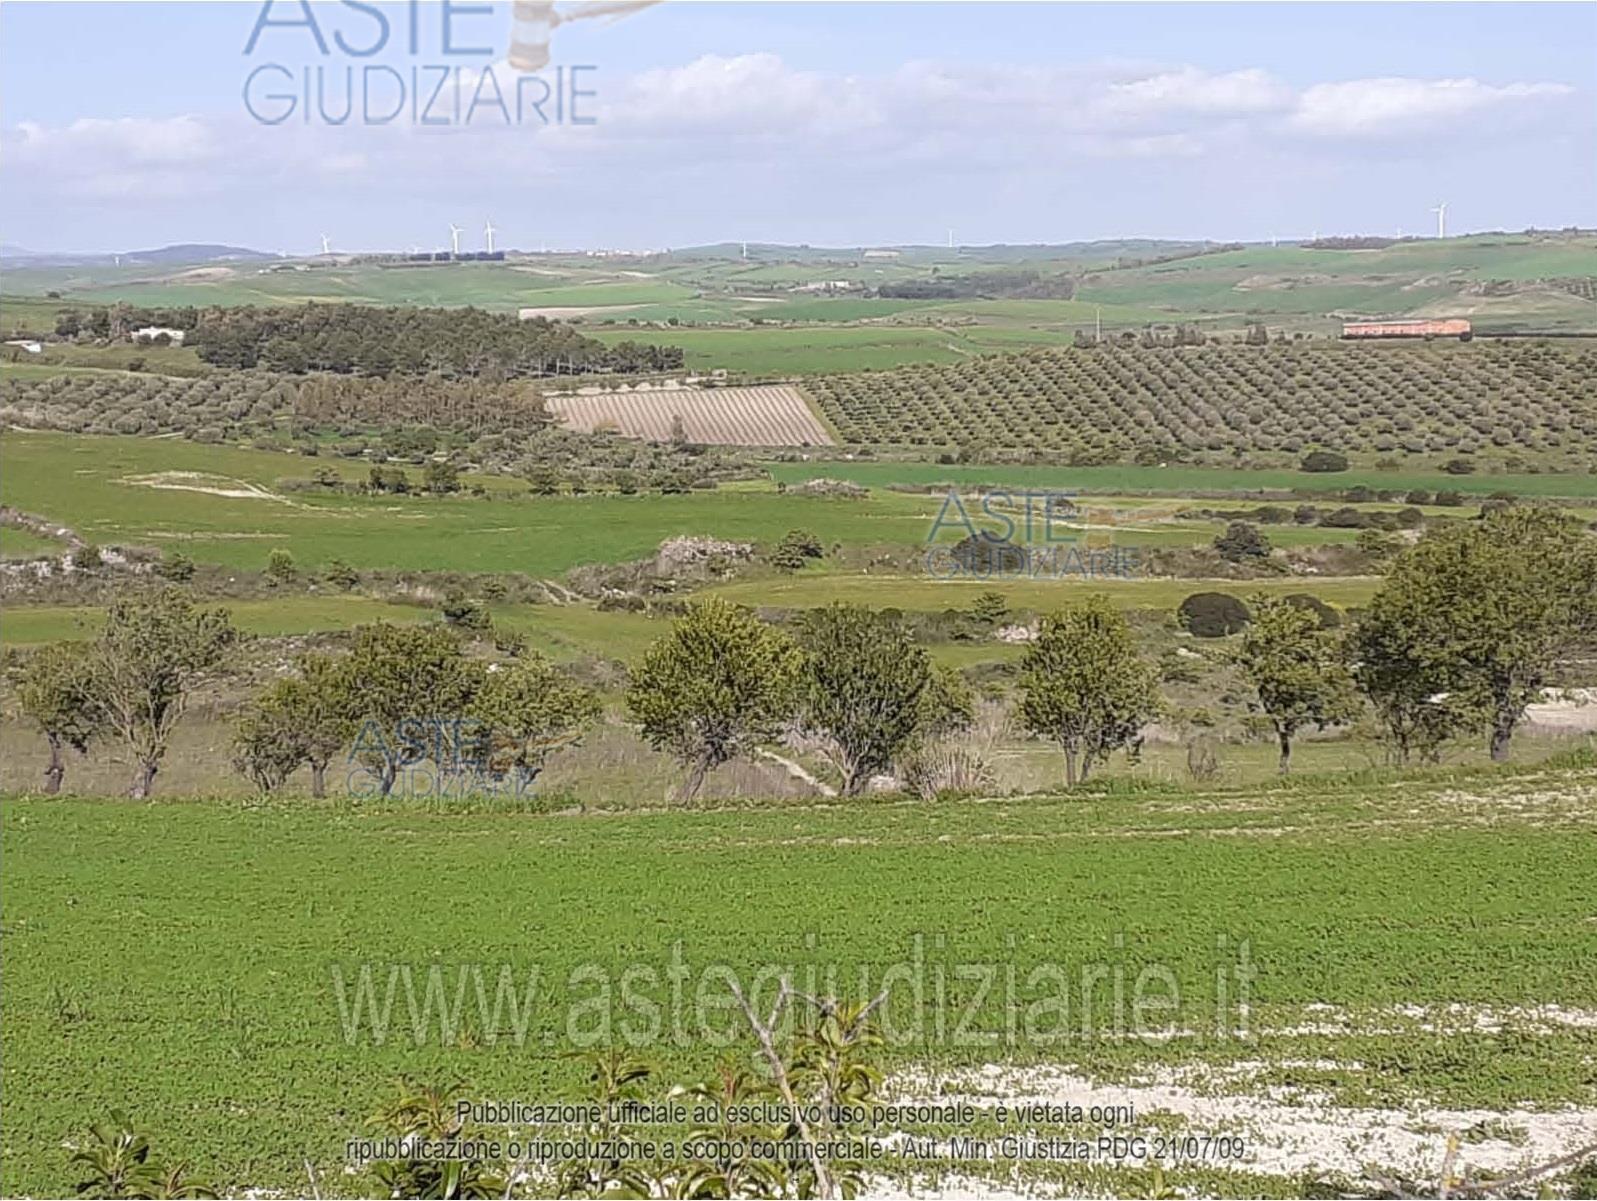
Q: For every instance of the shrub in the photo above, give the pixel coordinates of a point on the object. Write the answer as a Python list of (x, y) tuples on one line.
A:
[(280, 567), (1323, 461), (1242, 541), (1212, 614), (1329, 617)]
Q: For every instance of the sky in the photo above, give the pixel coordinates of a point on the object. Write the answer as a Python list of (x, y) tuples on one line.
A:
[(269, 123)]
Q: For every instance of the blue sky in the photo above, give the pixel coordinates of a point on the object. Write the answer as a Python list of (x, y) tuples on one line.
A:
[(125, 125)]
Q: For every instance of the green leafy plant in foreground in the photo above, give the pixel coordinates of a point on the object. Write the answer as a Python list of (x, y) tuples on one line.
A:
[(119, 1163)]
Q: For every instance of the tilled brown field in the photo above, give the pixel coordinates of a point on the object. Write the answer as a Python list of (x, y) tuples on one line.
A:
[(767, 415)]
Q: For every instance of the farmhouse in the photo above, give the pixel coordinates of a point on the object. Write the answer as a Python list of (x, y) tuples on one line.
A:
[(1451, 327), (152, 333)]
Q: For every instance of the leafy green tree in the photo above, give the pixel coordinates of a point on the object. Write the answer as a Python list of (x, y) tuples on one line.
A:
[(1296, 668), (1084, 686), (412, 685), (304, 719), (529, 710), (146, 660), (266, 745), (719, 683), (55, 690), (868, 689), (441, 477), (1480, 614)]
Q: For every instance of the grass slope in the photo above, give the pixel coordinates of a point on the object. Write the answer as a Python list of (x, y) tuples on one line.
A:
[(176, 960)]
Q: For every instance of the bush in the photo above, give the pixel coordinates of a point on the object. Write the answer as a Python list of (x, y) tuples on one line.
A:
[(1212, 614), (280, 567), (1242, 541), (1459, 466), (341, 575), (177, 567), (1329, 617), (1449, 499), (1323, 461)]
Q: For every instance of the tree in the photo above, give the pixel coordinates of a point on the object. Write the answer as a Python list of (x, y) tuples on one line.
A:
[(144, 663), (795, 549), (867, 689), (1084, 686), (305, 719), (441, 477), (1480, 614), (55, 690), (719, 683), (1242, 541), (412, 688), (1296, 669), (528, 710)]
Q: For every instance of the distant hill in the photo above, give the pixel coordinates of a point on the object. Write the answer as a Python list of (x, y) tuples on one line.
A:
[(165, 256)]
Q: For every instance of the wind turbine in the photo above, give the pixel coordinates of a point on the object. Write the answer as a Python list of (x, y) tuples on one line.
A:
[(488, 233), (327, 246), (1441, 219), (454, 239)]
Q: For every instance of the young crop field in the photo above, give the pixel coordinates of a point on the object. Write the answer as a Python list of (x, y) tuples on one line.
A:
[(1415, 951), (769, 415), (1178, 479), (1537, 402)]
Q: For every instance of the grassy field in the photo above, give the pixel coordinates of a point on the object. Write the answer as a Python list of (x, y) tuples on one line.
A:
[(919, 593), (176, 960), (1181, 481), (173, 494)]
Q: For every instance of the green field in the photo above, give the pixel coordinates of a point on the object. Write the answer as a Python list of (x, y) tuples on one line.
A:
[(1039, 595), (171, 494), (1179, 480), (176, 960)]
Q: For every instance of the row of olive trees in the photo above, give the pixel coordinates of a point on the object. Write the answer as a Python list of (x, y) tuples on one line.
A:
[(1466, 632), (852, 681), (401, 696), (407, 695), (130, 684)]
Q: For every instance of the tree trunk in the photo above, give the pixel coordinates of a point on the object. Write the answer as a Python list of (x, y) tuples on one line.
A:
[(1070, 767), (1502, 731), (1285, 764), (694, 781), (56, 770), (143, 781), (318, 780), (385, 780)]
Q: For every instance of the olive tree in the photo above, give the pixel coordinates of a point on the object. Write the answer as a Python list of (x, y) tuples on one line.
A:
[(528, 709), (305, 719), (720, 682), (1476, 616), (1296, 669), (409, 690), (868, 690), (55, 689), (143, 665), (1084, 686)]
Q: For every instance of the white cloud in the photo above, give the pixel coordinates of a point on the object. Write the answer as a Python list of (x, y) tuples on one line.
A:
[(1396, 108), (1192, 92)]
